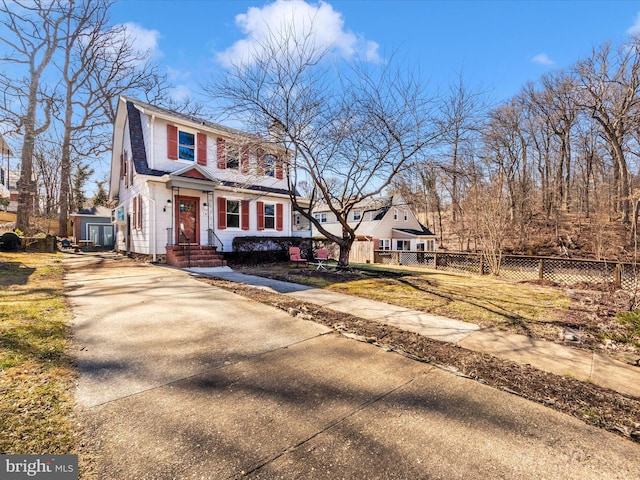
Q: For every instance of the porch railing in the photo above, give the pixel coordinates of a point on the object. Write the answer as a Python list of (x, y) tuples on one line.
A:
[(213, 240)]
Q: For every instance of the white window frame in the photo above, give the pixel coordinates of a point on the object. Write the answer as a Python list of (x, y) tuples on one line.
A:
[(357, 215), (395, 214), (195, 146), (269, 164), (232, 156), (321, 217), (233, 215), (271, 217), (403, 243), (384, 244), (406, 215)]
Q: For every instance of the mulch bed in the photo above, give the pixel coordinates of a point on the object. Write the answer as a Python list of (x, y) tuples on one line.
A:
[(590, 403)]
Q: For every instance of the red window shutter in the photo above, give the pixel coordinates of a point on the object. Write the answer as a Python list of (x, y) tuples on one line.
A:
[(279, 216), (202, 149), (260, 206), (222, 153), (172, 142), (244, 160), (131, 173), (222, 213), (279, 169), (244, 211), (134, 212), (122, 165), (126, 175)]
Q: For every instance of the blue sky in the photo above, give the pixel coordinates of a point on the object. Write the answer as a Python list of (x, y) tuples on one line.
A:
[(497, 45)]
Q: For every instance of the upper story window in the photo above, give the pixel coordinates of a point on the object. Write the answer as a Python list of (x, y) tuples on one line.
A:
[(186, 146), (357, 215), (395, 214), (233, 156), (406, 216), (321, 217), (269, 164)]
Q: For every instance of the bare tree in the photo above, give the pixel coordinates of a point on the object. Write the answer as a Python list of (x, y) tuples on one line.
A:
[(348, 132), (609, 90), (98, 64), (494, 225), (31, 33), (555, 104), (462, 112), (46, 168)]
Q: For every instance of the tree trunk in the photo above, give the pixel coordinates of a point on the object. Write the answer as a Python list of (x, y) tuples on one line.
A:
[(65, 171), (345, 250), (25, 201)]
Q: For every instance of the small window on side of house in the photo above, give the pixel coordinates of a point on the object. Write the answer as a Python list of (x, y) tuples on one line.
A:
[(357, 215)]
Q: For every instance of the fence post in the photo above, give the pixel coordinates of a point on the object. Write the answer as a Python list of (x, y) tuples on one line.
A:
[(541, 270), (617, 279), (481, 264), (397, 255), (435, 260)]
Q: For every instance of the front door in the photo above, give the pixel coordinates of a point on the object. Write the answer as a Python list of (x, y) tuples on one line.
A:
[(187, 214)]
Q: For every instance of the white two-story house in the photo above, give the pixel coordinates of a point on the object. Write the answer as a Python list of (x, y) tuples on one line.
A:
[(387, 222), (186, 187)]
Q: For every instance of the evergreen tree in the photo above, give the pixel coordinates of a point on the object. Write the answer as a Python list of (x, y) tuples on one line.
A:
[(80, 177), (101, 198)]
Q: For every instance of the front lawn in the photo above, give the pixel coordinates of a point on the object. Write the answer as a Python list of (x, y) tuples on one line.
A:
[(36, 375)]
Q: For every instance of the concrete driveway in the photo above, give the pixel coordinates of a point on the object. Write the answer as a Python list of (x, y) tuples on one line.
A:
[(180, 380)]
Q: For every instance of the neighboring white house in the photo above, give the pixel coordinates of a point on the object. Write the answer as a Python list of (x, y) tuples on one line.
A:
[(185, 182), (388, 222)]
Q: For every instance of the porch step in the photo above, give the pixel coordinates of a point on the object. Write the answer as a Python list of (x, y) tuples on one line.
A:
[(194, 256)]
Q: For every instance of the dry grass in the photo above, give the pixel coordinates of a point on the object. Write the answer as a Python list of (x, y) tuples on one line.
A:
[(486, 301), (36, 375)]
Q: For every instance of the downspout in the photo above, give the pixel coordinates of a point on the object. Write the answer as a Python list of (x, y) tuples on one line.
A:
[(153, 229)]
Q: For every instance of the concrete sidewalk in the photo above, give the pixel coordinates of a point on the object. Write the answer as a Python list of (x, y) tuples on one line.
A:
[(182, 380), (544, 355)]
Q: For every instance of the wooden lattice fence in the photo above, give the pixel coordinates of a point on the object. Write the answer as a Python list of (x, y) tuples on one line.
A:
[(564, 271)]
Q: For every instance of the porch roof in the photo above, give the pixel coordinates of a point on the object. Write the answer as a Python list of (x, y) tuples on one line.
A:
[(412, 233)]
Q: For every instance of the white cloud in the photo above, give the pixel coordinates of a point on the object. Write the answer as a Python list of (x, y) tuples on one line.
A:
[(542, 59), (144, 40), (320, 21), (635, 28)]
